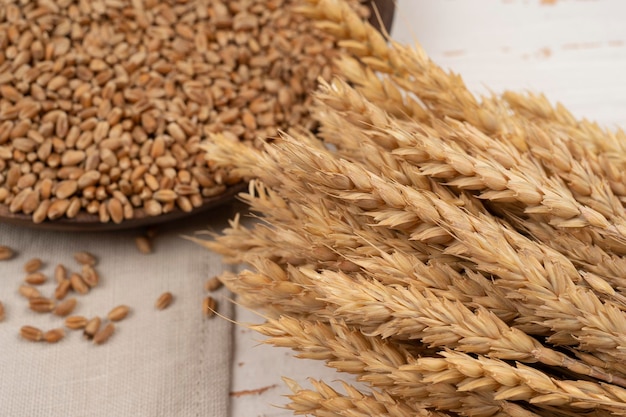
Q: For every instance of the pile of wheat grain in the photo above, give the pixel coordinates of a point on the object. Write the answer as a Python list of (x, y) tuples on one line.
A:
[(460, 255), (103, 103)]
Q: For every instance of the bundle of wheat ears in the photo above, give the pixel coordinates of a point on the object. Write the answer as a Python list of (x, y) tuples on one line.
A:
[(460, 255)]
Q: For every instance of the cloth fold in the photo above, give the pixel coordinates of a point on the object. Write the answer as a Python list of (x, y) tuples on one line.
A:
[(173, 362)]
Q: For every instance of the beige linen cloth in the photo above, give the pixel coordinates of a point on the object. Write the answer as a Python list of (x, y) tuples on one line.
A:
[(168, 363)]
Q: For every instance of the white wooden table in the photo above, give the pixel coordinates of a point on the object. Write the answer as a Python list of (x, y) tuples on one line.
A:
[(574, 51)]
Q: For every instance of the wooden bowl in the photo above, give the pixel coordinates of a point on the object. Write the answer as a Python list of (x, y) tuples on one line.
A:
[(383, 12)]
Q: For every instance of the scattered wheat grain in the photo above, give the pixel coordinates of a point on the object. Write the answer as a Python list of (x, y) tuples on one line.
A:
[(103, 335), (213, 284), (60, 273), (164, 301), (144, 245), (65, 307), (32, 265), (31, 333), (6, 253), (54, 335), (78, 284), (41, 304), (118, 313), (208, 306), (92, 327), (75, 322), (85, 258), (28, 291), (36, 278)]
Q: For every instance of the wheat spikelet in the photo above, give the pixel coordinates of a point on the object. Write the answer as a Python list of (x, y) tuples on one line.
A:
[(517, 383), (410, 314), (392, 368), (536, 107), (324, 400), (603, 149)]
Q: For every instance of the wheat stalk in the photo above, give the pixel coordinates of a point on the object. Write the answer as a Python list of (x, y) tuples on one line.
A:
[(341, 99), (488, 242), (461, 255), (465, 158), (391, 368), (445, 94), (495, 249)]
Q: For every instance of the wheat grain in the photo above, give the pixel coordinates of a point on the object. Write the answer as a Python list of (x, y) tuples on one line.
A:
[(76, 322), (32, 265), (164, 301), (60, 273), (29, 291), (78, 284), (41, 304), (54, 335), (62, 289), (144, 245), (31, 333), (118, 313), (85, 258), (6, 253), (103, 335), (35, 278), (91, 327), (65, 307), (208, 306), (212, 284)]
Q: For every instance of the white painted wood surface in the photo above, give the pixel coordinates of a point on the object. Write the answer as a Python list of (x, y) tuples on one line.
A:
[(574, 51)]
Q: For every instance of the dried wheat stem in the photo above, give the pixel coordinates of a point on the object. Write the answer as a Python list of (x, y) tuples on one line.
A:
[(260, 290), (445, 95), (380, 89), (388, 260), (362, 40), (360, 145)]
